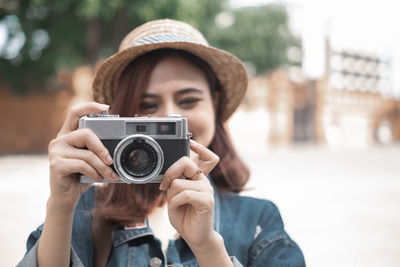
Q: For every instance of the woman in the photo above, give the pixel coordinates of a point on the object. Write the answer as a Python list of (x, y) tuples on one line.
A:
[(162, 67)]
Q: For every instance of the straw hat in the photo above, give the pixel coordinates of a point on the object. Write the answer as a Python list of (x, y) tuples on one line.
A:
[(168, 33)]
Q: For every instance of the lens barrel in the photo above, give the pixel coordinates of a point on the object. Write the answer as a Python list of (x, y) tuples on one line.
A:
[(138, 159)]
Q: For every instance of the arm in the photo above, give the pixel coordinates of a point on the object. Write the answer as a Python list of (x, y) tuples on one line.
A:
[(73, 151), (55, 241)]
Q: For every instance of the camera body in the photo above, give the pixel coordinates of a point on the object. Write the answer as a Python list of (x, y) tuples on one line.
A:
[(142, 148)]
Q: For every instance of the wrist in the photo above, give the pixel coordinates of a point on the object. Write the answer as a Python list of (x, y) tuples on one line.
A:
[(213, 241), (58, 208), (212, 252)]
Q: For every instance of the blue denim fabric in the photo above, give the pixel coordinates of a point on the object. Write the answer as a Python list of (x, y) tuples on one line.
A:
[(252, 229)]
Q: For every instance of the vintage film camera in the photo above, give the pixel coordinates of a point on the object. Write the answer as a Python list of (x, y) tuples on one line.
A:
[(142, 148)]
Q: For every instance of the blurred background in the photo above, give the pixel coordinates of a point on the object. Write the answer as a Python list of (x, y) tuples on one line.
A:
[(319, 126)]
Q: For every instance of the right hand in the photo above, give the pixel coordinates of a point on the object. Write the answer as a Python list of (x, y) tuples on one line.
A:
[(77, 151)]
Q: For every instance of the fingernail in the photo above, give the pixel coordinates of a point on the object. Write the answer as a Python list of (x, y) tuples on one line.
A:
[(161, 187), (105, 106), (115, 176), (109, 160)]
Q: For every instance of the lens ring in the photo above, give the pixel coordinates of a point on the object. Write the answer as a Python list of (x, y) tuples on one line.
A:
[(125, 145), (139, 158)]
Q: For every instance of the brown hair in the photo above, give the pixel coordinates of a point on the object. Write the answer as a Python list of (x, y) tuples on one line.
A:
[(122, 204)]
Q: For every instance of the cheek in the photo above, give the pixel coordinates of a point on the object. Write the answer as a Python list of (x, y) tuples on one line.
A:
[(202, 126)]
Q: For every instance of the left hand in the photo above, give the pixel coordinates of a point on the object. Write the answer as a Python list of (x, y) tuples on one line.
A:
[(191, 200)]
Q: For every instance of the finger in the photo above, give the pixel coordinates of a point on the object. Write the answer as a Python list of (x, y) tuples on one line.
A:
[(182, 167), (85, 138), (78, 111), (93, 160), (194, 156), (67, 167), (202, 201), (208, 159), (179, 185)]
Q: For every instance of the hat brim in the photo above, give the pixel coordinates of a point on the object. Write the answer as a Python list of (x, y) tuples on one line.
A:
[(228, 69)]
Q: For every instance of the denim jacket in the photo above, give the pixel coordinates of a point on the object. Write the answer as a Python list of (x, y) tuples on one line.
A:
[(252, 230)]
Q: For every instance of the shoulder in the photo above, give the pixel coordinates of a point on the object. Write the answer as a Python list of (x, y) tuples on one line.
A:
[(83, 210), (254, 232), (250, 210), (81, 239), (246, 215)]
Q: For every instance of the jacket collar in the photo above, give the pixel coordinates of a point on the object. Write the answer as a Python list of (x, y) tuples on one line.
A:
[(122, 234)]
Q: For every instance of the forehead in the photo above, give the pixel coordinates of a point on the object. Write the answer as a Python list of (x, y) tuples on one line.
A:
[(176, 71)]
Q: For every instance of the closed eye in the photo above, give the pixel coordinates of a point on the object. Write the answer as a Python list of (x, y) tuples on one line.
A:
[(147, 106), (188, 101)]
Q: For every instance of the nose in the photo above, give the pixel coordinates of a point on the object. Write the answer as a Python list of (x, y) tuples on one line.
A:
[(170, 108)]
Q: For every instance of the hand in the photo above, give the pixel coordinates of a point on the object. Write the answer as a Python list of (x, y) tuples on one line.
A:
[(77, 151), (191, 200)]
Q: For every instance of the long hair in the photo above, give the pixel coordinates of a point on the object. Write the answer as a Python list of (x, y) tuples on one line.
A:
[(122, 204)]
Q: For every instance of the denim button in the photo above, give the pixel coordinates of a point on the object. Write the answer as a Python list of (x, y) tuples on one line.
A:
[(155, 262)]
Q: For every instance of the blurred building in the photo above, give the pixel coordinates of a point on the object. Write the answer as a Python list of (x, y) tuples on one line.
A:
[(29, 122), (351, 105), (281, 92), (356, 102)]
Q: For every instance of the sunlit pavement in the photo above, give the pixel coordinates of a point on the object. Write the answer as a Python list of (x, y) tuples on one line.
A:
[(341, 206)]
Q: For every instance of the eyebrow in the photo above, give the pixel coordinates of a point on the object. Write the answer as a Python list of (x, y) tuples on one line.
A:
[(179, 93)]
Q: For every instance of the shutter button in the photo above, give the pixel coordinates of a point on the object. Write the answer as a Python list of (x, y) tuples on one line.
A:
[(155, 262)]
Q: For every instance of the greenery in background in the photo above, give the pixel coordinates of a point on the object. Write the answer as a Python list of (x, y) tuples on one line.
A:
[(258, 35), (44, 36)]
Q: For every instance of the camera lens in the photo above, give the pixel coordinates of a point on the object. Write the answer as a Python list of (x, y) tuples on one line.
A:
[(138, 158)]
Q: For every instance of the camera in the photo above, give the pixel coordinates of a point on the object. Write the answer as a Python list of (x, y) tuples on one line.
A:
[(142, 148)]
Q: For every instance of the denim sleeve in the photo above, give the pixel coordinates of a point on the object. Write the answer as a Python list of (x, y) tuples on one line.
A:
[(272, 246), (30, 258)]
